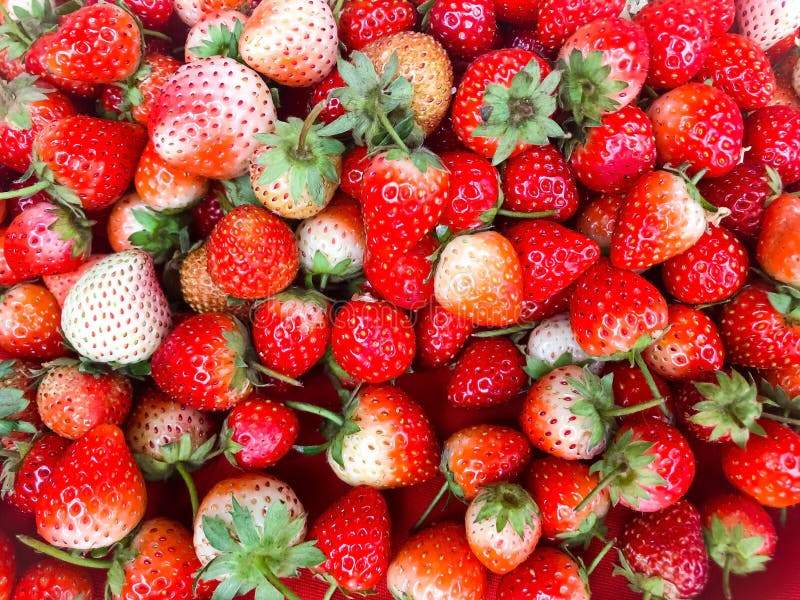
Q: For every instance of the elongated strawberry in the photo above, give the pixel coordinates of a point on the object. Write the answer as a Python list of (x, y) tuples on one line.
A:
[(546, 569), (50, 579), (258, 432), (489, 372)]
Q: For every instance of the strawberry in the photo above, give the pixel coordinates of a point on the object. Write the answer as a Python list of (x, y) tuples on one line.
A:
[(8, 566), (630, 388), (27, 466), (51, 579), (258, 432), (661, 217), (548, 573), (540, 180), (616, 152), (36, 63), (96, 494), (766, 467), (252, 253), (697, 124), (164, 187), (216, 144), (552, 344), (663, 553), (191, 11), (740, 68), (100, 43), (474, 189), (631, 309), (558, 20), (497, 122), (8, 277), (302, 29), (406, 280), (332, 242), (768, 22), (200, 292), (252, 515), (488, 373), (60, 285), (27, 107), (71, 401), (598, 217), (291, 331), (19, 419), (517, 12), (384, 440), (364, 21), (217, 32), (440, 335), (354, 162), (713, 269), (772, 136), (503, 526), (720, 15), (478, 277), (778, 242), (30, 319), (739, 535), (117, 312), (679, 36), (372, 340), (322, 94), (759, 328), (437, 563), (466, 28), (354, 532), (555, 484)]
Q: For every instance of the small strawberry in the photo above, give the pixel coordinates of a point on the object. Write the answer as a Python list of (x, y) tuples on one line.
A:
[(27, 467), (405, 280), (164, 187), (488, 373), (548, 573), (364, 21), (440, 335), (474, 189), (558, 20), (200, 292), (598, 217), (96, 494), (117, 312), (50, 579), (30, 318), (217, 33), (133, 224), (663, 554), (630, 388), (517, 12), (333, 108), (552, 344), (354, 532), (354, 162), (258, 432), (466, 28), (772, 136), (437, 563), (778, 242), (192, 11)]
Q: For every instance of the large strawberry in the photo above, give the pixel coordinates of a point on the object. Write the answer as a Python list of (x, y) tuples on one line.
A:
[(117, 311)]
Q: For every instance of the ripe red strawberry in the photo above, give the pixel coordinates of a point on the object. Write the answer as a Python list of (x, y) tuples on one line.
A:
[(720, 14), (385, 440), (8, 566), (739, 535), (258, 432), (679, 37), (218, 143), (556, 484), (766, 467), (778, 241), (372, 340), (30, 318), (740, 68), (598, 217), (771, 23), (557, 19), (107, 327), (51, 579), (8, 277), (630, 388), (503, 526), (322, 92), (478, 277), (759, 329), (616, 152), (96, 494), (354, 162), (252, 253), (466, 28), (540, 180), (405, 280), (517, 12), (36, 60), (489, 372), (474, 189), (697, 124), (440, 335), (714, 269), (772, 136), (27, 467), (547, 572), (661, 217), (663, 553), (400, 203), (437, 563), (354, 532), (610, 309), (364, 21), (201, 362)]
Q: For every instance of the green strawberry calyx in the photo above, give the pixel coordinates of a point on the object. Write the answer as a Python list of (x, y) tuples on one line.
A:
[(732, 550), (507, 504)]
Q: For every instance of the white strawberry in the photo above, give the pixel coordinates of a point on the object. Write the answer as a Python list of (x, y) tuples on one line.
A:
[(551, 343), (205, 33), (768, 21), (60, 284), (117, 312)]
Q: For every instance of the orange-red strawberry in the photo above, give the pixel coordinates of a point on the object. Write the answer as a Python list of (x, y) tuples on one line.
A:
[(192, 11), (30, 318), (258, 432), (50, 579), (440, 335), (36, 64), (598, 218), (546, 570), (772, 136), (164, 187), (778, 247), (96, 494), (437, 563)]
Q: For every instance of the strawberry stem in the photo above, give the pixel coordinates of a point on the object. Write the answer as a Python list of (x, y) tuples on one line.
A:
[(26, 191), (600, 556), (779, 419), (527, 215), (331, 591), (431, 506), (316, 410), (278, 584), (62, 555), (391, 131), (601, 485), (623, 411), (157, 34), (726, 577), (311, 118), (190, 486), (648, 377), (506, 331), (276, 375)]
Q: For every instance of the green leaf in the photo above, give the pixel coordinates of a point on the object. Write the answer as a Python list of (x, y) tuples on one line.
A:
[(216, 531)]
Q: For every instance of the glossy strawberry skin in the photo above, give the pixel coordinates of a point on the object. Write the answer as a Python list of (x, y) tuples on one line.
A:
[(364, 21), (49, 579), (31, 317), (630, 388), (440, 335), (557, 20), (405, 280), (737, 510), (489, 372), (772, 136), (778, 245), (35, 468), (474, 188), (8, 566), (548, 574), (466, 28), (598, 218), (333, 108), (264, 429), (36, 61)]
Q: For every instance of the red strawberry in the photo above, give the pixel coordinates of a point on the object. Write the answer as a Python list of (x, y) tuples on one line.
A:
[(611, 309), (548, 573), (489, 372), (440, 335), (474, 189), (8, 277), (164, 187), (720, 14), (96, 494), (679, 37), (51, 579), (714, 269), (8, 566), (322, 92), (355, 534), (36, 60), (406, 280), (739, 535), (437, 563), (30, 318), (663, 553), (772, 136), (354, 162), (630, 388), (558, 19), (364, 21), (598, 217), (517, 12), (778, 244), (257, 433), (28, 466), (466, 28), (766, 467)]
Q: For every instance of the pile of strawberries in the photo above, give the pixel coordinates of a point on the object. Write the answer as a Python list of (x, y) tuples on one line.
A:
[(583, 209)]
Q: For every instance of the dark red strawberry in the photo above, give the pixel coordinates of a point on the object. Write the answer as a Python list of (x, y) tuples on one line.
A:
[(333, 109), (440, 335), (488, 373), (364, 21), (772, 136), (598, 219), (49, 579), (8, 565), (474, 189), (466, 28), (559, 19)]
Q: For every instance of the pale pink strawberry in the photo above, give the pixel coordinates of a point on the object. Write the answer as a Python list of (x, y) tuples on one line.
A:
[(203, 36), (191, 11)]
